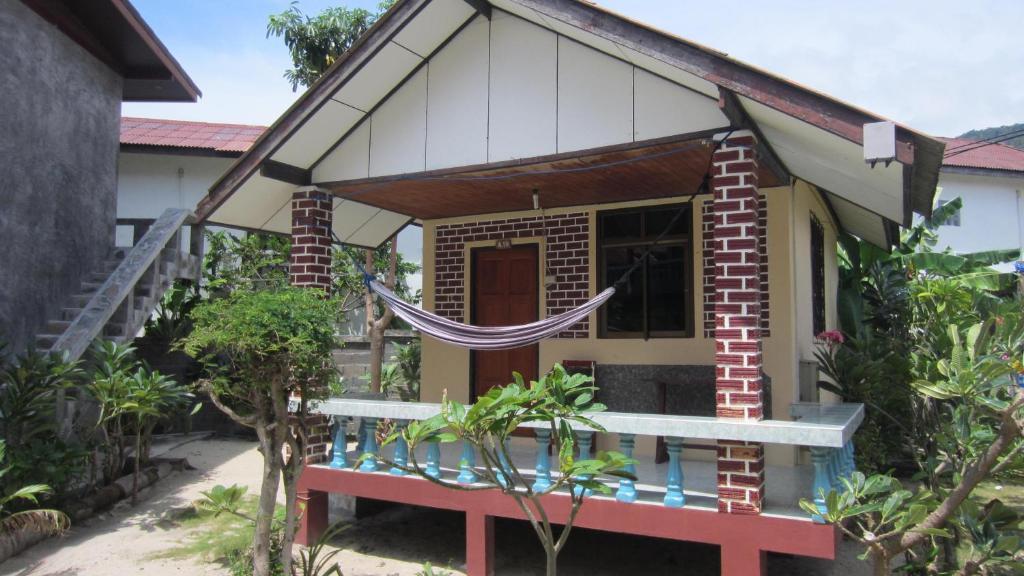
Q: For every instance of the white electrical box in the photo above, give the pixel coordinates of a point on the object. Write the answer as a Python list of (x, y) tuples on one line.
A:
[(879, 142)]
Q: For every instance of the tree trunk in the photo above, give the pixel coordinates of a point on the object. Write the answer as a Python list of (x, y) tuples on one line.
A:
[(375, 327), (294, 438), (138, 458), (552, 562), (268, 501)]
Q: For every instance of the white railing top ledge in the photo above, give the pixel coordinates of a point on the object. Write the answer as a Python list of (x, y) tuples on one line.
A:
[(823, 426)]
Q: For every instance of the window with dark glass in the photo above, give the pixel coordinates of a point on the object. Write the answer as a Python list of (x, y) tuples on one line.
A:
[(655, 300), (818, 275)]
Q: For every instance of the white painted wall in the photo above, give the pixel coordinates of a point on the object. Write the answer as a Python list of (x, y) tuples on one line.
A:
[(992, 217), (148, 184)]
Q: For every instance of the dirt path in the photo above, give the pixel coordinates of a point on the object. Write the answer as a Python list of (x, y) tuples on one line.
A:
[(129, 541)]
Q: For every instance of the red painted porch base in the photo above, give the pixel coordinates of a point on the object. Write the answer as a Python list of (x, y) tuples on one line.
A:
[(744, 539)]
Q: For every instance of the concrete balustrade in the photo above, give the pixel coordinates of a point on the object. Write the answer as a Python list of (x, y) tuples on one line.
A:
[(826, 430)]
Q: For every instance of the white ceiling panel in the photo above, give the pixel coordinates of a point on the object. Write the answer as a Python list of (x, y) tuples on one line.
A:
[(399, 130), (520, 11), (669, 71), (255, 203), (858, 221), (376, 231), (663, 108), (317, 134), (582, 36), (349, 161), (457, 100), (831, 162), (433, 25), (378, 77), (595, 98), (523, 89)]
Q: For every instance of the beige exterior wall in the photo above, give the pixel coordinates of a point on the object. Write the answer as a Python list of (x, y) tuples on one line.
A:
[(446, 367)]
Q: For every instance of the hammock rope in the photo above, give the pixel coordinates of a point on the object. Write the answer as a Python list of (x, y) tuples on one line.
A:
[(508, 337)]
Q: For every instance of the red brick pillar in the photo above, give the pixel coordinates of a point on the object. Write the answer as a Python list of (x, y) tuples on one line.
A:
[(312, 212), (310, 267), (737, 319)]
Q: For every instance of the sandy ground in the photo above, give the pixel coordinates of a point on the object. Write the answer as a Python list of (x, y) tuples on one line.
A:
[(396, 541)]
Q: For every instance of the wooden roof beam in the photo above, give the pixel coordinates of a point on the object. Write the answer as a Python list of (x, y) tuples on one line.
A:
[(286, 173), (733, 109), (481, 6)]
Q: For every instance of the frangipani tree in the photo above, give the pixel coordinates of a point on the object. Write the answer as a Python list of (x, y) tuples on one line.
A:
[(558, 402)]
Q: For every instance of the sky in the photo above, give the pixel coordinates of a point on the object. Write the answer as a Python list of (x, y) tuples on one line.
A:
[(939, 66), (943, 67)]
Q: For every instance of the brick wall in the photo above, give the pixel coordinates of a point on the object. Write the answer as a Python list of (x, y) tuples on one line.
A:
[(567, 258), (311, 239), (708, 258)]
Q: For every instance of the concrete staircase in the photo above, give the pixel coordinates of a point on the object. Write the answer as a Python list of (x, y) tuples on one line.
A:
[(114, 301)]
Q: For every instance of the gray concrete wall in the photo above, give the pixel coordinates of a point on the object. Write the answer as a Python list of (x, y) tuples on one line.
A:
[(59, 126)]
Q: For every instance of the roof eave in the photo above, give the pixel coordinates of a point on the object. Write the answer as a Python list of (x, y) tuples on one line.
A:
[(385, 28)]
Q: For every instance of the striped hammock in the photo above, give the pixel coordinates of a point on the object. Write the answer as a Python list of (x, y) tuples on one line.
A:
[(486, 337)]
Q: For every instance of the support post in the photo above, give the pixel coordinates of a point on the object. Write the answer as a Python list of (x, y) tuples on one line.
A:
[(310, 267), (479, 544), (467, 463), (674, 497), (313, 518), (743, 560), (738, 362)]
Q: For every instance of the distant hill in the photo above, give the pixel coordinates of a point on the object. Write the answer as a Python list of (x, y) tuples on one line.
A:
[(984, 133)]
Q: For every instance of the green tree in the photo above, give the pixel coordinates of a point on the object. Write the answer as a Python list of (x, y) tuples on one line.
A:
[(261, 348), (316, 42), (557, 401)]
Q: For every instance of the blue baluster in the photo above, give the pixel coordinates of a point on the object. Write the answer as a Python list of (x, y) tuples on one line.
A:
[(434, 459), (627, 488), (543, 470), (467, 463), (853, 456), (674, 497), (833, 462), (369, 426), (822, 482), (401, 451), (586, 440), (339, 447)]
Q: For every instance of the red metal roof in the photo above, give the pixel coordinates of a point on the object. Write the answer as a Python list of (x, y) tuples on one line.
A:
[(988, 157), (183, 134)]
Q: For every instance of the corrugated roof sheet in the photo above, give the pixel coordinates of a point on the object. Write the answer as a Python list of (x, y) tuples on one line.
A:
[(987, 157), (183, 134)]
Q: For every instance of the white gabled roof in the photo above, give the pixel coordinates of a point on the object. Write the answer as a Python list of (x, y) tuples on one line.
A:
[(407, 99)]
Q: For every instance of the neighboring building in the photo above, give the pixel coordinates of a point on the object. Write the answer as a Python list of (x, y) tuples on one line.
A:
[(459, 114), (990, 181), (66, 66), (171, 164)]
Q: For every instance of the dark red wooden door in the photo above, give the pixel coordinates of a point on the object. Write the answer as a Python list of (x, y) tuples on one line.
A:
[(504, 294)]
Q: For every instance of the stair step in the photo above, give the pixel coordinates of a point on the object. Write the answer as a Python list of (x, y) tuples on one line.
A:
[(90, 287), (57, 326), (46, 341), (70, 314)]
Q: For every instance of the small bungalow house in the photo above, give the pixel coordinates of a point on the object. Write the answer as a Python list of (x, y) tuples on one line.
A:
[(544, 145), (989, 178)]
